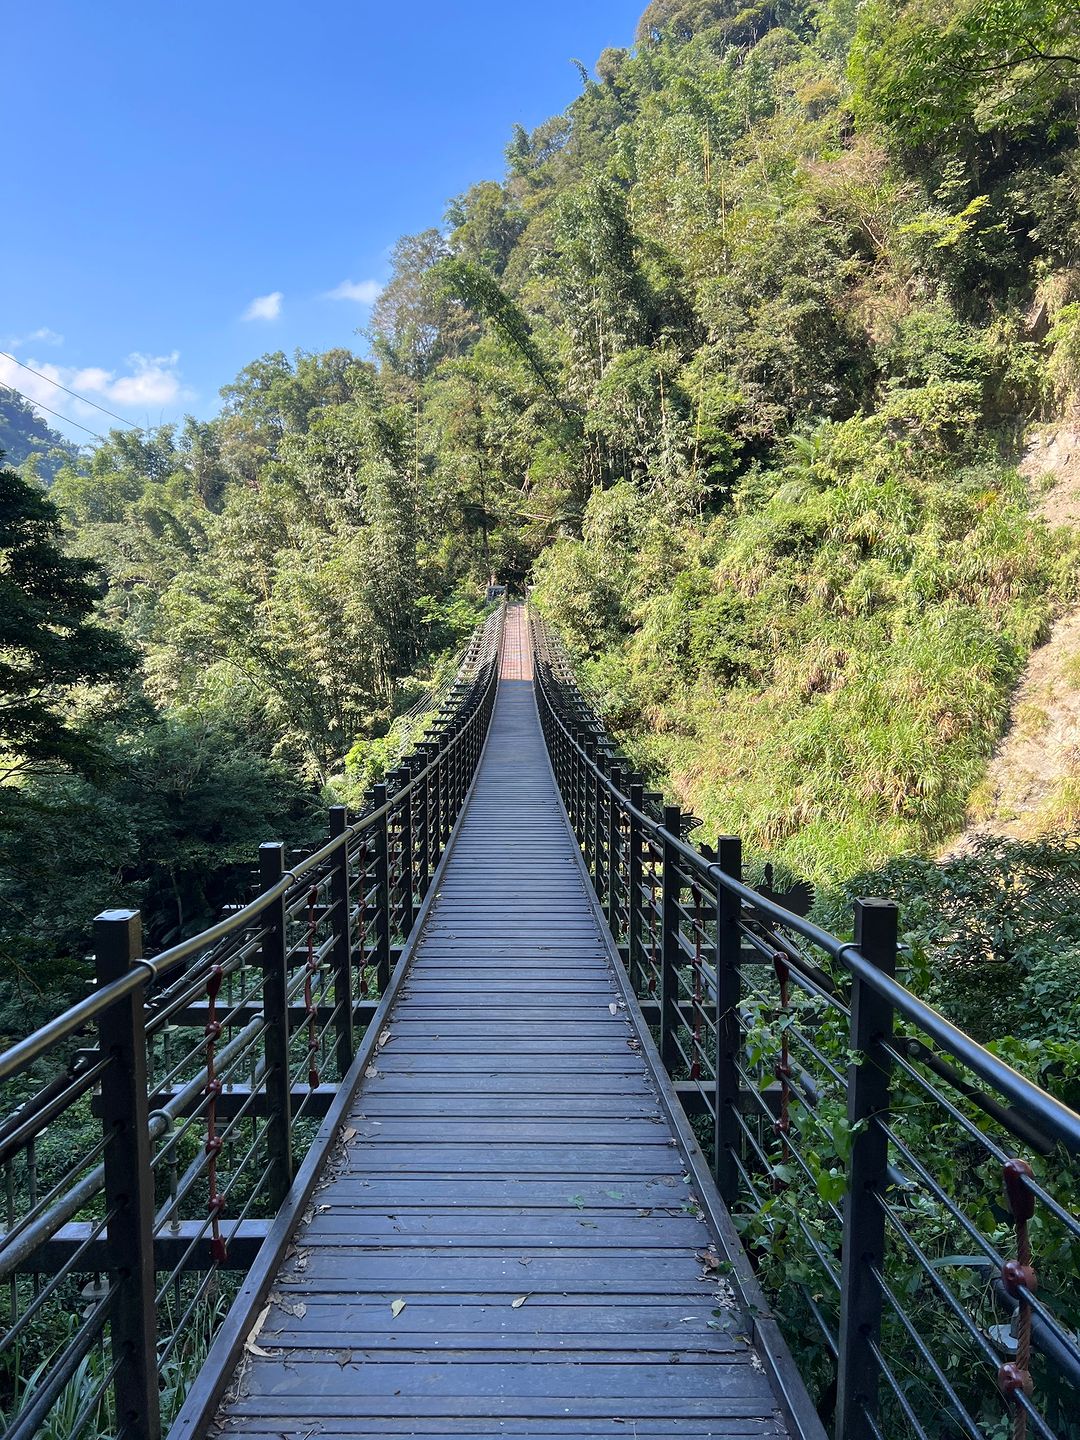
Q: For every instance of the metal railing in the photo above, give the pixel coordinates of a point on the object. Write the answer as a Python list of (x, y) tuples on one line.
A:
[(909, 1201), (149, 1134)]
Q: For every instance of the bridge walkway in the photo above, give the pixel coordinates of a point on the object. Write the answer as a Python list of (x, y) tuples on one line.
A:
[(505, 1240)]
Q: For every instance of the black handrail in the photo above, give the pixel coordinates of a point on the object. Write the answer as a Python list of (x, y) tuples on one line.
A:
[(774, 1030)]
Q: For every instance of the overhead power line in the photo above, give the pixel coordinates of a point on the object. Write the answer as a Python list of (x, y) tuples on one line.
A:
[(75, 395), (39, 406)]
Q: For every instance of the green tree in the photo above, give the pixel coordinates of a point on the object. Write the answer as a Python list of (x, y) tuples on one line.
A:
[(51, 648), (926, 67)]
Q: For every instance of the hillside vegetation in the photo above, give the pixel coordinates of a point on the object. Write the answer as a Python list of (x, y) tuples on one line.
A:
[(26, 441), (812, 612), (736, 362)]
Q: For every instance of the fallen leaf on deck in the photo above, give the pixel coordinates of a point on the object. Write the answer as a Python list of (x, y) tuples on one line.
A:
[(253, 1335), (396, 1308), (517, 1304)]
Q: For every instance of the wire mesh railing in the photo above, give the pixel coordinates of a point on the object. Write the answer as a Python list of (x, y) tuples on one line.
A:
[(910, 1202), (150, 1133)]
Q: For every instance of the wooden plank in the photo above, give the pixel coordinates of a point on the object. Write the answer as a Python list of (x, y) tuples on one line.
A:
[(573, 1324), (621, 1427), (408, 1405)]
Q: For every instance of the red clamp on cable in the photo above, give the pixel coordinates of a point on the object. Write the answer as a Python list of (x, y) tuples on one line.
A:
[(218, 1250), (782, 1070), (1015, 1276), (214, 1145), (1011, 1380), (214, 1087), (216, 1204), (1020, 1197), (212, 1031), (213, 981), (783, 1125), (313, 1078), (782, 967)]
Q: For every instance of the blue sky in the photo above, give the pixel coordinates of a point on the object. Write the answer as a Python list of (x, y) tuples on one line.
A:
[(187, 185)]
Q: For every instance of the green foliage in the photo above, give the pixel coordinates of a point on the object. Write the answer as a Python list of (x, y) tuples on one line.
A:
[(825, 669), (1064, 365), (51, 649), (27, 442), (995, 932), (172, 829), (923, 67)]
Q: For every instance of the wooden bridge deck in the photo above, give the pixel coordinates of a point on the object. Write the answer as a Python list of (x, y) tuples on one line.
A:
[(505, 1241)]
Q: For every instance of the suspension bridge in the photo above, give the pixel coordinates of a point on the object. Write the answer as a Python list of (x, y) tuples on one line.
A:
[(509, 1111)]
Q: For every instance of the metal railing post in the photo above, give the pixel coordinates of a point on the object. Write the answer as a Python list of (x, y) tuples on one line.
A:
[(420, 827), (600, 825), (614, 848), (438, 757), (341, 953), (382, 889), (457, 787), (861, 1298), (580, 817), (727, 1138), (129, 1179), (444, 790), (590, 814), (636, 795), (407, 878), (273, 957), (435, 805), (669, 942)]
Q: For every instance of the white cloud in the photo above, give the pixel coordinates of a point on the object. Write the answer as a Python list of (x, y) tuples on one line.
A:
[(264, 307), (364, 292), (35, 389), (42, 336), (148, 382), (154, 381)]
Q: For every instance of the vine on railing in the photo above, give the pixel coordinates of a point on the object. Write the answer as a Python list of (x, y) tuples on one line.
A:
[(150, 1133), (858, 1138)]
